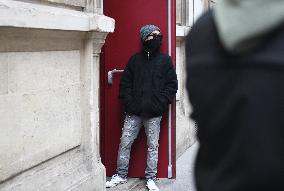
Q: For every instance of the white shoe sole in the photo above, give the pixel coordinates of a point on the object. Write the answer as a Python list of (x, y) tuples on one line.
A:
[(152, 189), (116, 184)]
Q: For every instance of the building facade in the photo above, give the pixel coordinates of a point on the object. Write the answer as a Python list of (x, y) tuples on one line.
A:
[(188, 11), (49, 94)]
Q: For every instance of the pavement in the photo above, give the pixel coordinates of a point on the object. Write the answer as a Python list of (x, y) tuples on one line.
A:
[(184, 176)]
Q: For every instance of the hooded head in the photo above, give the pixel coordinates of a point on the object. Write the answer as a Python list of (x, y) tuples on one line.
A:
[(151, 39), (146, 30), (242, 24)]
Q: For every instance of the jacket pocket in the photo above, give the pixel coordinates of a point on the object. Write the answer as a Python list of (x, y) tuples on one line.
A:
[(158, 81), (158, 104)]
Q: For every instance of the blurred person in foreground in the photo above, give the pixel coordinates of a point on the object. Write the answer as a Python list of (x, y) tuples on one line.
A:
[(235, 82)]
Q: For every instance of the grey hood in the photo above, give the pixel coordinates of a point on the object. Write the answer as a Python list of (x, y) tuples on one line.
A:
[(241, 24)]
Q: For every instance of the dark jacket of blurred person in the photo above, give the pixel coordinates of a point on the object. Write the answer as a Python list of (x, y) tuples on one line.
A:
[(235, 84)]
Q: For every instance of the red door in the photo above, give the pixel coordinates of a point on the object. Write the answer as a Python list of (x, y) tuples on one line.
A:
[(130, 16)]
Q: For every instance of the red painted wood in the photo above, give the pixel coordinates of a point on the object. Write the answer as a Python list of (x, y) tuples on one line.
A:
[(173, 51), (130, 16)]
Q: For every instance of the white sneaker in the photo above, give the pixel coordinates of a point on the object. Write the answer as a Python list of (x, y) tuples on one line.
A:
[(151, 185), (115, 180)]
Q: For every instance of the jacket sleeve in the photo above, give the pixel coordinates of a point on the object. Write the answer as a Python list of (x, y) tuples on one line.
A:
[(125, 86), (171, 83)]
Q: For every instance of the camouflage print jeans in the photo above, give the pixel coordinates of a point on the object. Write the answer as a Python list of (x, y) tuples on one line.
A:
[(131, 128)]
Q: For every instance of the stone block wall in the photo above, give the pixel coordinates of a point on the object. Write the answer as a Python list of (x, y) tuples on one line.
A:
[(49, 95), (187, 14)]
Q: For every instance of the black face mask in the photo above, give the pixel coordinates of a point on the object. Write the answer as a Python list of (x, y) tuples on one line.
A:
[(154, 44)]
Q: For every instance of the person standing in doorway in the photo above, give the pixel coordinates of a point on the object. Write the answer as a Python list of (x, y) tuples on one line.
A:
[(148, 84)]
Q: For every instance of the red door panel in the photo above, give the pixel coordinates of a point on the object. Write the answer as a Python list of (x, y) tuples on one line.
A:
[(130, 16)]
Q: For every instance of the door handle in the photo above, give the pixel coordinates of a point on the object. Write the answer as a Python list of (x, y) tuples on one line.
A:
[(110, 75)]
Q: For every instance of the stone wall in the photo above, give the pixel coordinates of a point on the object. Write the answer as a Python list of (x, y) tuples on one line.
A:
[(187, 15), (185, 126), (75, 3), (49, 96)]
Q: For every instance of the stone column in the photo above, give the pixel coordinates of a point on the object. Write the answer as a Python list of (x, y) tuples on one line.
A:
[(185, 126), (95, 6), (90, 77)]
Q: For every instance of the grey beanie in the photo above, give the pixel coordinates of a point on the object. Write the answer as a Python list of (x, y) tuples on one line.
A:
[(146, 30)]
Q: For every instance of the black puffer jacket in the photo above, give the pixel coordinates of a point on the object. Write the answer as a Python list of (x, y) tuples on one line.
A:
[(238, 104), (148, 85)]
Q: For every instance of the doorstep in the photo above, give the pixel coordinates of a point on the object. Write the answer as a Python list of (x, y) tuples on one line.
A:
[(129, 186)]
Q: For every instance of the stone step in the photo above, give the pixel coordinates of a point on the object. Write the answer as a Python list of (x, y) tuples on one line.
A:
[(65, 172), (129, 186)]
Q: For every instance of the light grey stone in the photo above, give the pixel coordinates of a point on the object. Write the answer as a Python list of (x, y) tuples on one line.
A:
[(78, 3), (185, 126), (34, 71), (67, 171), (33, 42), (3, 77), (52, 18), (49, 112), (38, 126), (66, 3)]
